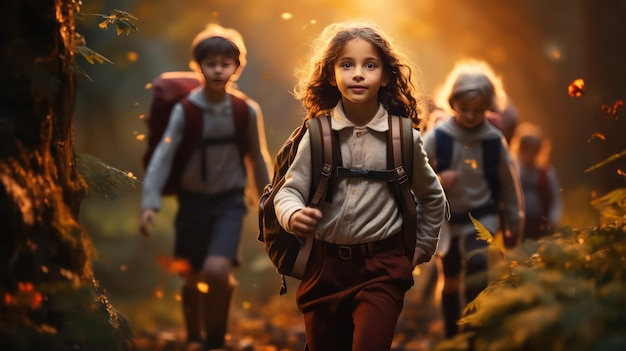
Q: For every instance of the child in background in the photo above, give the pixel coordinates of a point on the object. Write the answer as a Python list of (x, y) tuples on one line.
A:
[(353, 303), (211, 202), (539, 180), (472, 160)]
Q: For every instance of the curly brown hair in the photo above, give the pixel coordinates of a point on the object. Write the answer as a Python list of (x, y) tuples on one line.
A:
[(315, 92)]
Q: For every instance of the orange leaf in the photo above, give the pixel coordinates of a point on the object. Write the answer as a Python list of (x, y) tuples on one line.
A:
[(576, 88)]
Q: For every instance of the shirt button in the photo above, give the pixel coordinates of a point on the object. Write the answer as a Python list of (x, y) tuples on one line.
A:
[(358, 134), (346, 217)]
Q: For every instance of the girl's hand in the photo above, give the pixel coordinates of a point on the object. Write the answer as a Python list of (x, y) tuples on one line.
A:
[(417, 257), (448, 178), (304, 222)]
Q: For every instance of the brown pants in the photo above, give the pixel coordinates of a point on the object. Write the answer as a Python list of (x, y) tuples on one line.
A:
[(351, 298)]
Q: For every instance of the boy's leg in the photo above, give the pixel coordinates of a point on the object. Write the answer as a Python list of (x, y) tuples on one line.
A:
[(450, 299), (216, 307), (476, 279), (218, 265), (191, 301)]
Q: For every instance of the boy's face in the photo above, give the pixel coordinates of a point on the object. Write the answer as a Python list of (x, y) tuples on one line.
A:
[(470, 110), (217, 71)]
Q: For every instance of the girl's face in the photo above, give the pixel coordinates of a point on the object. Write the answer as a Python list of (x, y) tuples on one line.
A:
[(358, 73), (217, 71), (470, 110)]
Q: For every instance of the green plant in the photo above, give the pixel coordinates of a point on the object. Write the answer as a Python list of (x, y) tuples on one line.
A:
[(566, 291)]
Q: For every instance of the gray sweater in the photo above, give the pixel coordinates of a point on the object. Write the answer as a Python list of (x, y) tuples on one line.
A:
[(225, 171), (471, 189), (364, 210)]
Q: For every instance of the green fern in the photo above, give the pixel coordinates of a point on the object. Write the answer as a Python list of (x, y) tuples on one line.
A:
[(102, 179)]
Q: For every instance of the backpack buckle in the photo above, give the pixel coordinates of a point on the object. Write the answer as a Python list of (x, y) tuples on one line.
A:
[(401, 174), (345, 252), (327, 170)]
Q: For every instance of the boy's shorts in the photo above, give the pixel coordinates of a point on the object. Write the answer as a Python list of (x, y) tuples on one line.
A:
[(208, 225)]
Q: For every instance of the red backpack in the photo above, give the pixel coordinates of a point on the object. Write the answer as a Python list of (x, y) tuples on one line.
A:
[(168, 89)]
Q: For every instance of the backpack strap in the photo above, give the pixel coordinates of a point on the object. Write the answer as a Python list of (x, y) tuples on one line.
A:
[(491, 161), (241, 116), (320, 133), (400, 140), (322, 143), (443, 144), (192, 135), (240, 137)]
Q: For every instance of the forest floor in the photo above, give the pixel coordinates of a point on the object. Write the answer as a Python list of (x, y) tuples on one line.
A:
[(278, 326)]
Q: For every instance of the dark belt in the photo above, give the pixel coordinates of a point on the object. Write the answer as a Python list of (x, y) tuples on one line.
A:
[(478, 212), (359, 251)]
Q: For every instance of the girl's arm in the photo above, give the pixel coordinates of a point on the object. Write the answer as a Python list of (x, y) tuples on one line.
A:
[(431, 199), (295, 191)]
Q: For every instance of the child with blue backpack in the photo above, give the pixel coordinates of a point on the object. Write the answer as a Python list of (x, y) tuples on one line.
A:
[(221, 165), (472, 160), (353, 287)]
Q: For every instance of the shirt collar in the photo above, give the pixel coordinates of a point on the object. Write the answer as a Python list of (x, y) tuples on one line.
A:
[(378, 123), (198, 99)]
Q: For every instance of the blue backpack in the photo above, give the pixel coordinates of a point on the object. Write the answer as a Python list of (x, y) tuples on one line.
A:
[(491, 155)]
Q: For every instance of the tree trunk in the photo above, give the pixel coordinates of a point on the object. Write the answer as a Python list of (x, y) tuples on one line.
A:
[(50, 299)]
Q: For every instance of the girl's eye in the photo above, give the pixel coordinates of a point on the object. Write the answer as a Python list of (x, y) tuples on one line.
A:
[(370, 66), (346, 65)]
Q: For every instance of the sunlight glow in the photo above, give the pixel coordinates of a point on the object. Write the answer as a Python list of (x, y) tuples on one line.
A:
[(203, 287)]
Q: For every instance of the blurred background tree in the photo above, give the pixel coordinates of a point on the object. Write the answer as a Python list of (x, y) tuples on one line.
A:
[(51, 300)]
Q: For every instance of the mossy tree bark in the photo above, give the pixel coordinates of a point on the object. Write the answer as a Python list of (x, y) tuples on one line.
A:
[(50, 299)]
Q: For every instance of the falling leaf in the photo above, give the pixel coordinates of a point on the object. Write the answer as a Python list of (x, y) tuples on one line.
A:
[(482, 232), (140, 137), (36, 300), (596, 135), (609, 112), (174, 265), (576, 88), (608, 160), (621, 173), (25, 286), (9, 299)]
